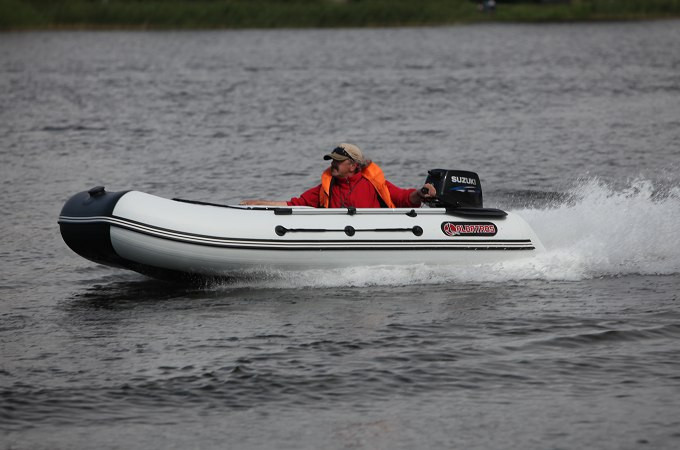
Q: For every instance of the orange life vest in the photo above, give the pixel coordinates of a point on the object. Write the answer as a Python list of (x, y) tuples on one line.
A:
[(372, 173)]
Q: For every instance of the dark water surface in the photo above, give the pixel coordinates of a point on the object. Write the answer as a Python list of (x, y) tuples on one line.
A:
[(575, 127)]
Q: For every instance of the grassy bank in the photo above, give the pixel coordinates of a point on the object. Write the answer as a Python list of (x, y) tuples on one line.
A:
[(47, 14)]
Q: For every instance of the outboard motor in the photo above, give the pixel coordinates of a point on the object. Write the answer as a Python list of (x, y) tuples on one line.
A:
[(455, 189)]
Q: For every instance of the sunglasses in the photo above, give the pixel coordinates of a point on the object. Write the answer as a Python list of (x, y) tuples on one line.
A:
[(343, 152)]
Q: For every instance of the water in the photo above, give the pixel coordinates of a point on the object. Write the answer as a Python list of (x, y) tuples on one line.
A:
[(575, 127)]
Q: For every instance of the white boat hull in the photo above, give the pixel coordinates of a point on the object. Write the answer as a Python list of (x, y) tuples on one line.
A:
[(162, 237)]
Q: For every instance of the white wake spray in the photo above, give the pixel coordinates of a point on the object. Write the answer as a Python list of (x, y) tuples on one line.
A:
[(603, 232)]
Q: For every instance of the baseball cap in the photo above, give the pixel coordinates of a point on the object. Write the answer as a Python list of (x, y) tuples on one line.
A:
[(346, 151)]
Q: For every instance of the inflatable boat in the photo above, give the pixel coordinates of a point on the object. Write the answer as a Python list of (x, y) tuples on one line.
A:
[(180, 239)]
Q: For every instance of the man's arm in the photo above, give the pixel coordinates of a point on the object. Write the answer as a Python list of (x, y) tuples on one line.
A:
[(409, 198), (308, 198), (264, 203)]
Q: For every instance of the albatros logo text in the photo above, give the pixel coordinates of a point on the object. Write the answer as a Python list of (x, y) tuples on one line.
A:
[(469, 229)]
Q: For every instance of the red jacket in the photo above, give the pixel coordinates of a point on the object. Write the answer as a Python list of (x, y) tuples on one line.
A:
[(354, 191)]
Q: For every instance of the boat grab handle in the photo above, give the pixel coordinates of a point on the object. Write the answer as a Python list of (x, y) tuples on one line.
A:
[(280, 230)]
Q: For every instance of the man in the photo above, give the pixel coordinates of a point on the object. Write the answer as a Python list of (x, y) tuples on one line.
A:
[(353, 181)]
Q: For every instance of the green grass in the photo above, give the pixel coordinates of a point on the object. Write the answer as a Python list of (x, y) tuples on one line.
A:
[(45, 14)]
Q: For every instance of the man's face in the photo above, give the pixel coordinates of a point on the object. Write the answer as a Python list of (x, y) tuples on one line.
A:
[(343, 169)]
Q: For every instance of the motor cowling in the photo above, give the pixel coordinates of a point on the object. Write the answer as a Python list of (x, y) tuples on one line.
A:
[(455, 189)]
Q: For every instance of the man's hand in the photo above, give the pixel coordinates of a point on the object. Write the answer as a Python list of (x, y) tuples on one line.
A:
[(427, 192)]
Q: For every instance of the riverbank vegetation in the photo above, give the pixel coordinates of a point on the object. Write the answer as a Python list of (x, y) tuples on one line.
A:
[(183, 14)]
